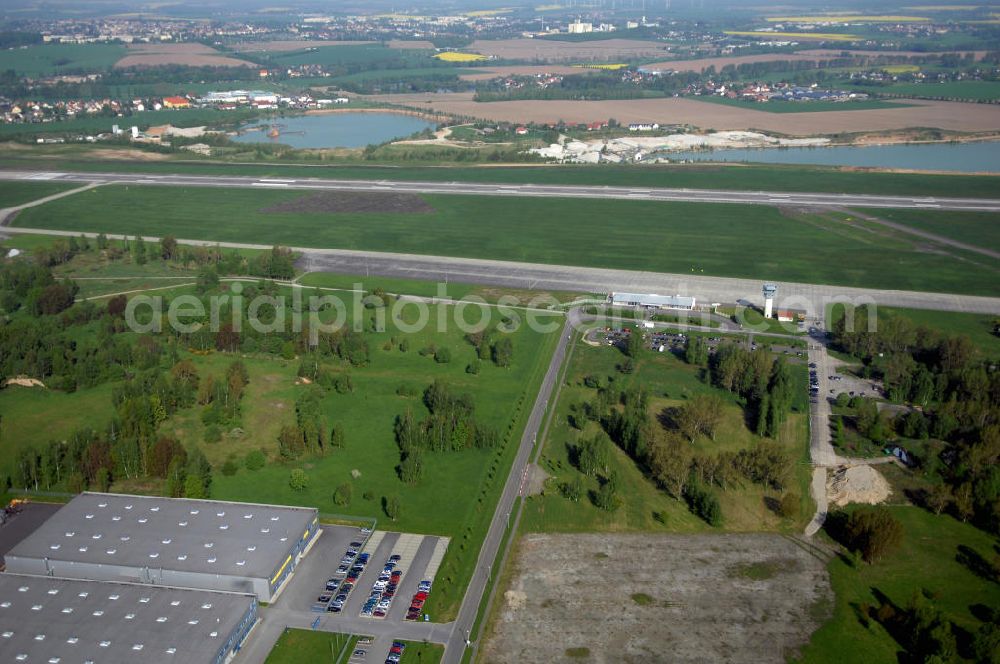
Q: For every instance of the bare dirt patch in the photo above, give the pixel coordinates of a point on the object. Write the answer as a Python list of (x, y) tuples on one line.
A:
[(353, 202), (952, 116), (701, 598), (188, 54), (415, 44)]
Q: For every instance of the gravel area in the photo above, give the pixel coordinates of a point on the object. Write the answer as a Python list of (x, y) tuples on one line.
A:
[(643, 597)]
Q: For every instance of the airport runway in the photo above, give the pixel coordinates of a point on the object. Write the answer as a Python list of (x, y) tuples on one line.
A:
[(813, 200), (537, 276)]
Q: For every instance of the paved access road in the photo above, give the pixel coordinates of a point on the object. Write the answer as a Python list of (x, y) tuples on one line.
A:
[(516, 190), (501, 516)]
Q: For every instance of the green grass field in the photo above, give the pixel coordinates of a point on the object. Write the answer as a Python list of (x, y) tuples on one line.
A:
[(981, 229), (51, 59), (978, 327), (457, 494), (685, 238), (752, 177), (17, 193), (802, 107), (925, 562), (417, 652), (645, 507), (296, 646), (455, 291)]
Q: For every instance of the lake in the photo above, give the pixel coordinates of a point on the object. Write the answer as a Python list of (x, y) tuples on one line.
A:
[(333, 130), (960, 157)]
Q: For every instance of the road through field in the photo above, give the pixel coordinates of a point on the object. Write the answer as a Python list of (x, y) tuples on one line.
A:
[(807, 200)]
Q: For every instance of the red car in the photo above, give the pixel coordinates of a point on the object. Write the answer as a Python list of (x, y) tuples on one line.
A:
[(421, 596), (417, 604)]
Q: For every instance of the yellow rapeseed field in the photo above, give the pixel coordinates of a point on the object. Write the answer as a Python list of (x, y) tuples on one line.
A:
[(453, 56)]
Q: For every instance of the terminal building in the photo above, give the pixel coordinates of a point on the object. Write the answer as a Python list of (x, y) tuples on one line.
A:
[(47, 619), (652, 301), (201, 544)]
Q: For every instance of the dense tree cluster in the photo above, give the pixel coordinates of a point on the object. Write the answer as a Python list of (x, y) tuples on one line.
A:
[(449, 426), (765, 383), (954, 394)]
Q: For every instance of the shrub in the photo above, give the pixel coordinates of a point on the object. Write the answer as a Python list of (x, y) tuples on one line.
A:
[(213, 434), (229, 468), (298, 479), (703, 504), (873, 532), (789, 506), (342, 494), (255, 460)]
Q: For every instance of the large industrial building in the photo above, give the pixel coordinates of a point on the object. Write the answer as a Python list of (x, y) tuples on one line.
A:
[(46, 619), (202, 544), (652, 301)]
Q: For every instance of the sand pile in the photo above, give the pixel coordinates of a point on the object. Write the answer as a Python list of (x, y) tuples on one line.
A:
[(857, 484)]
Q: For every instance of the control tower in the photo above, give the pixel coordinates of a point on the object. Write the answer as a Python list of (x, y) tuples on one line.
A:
[(769, 291)]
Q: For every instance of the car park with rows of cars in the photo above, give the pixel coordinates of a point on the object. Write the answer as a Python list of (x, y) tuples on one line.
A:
[(339, 586), (419, 598), (384, 589)]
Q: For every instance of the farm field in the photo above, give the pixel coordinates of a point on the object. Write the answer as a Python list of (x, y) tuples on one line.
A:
[(615, 597), (758, 177), (805, 107), (926, 562), (972, 90), (365, 55), (533, 50), (187, 54), (701, 64), (52, 59), (808, 248), (283, 45), (980, 229), (645, 507), (951, 116)]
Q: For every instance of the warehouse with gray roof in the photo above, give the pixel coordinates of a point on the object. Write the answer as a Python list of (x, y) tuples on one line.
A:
[(203, 544), (46, 619)]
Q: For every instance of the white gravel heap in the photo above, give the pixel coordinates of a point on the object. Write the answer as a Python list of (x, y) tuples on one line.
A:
[(633, 148), (857, 484)]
